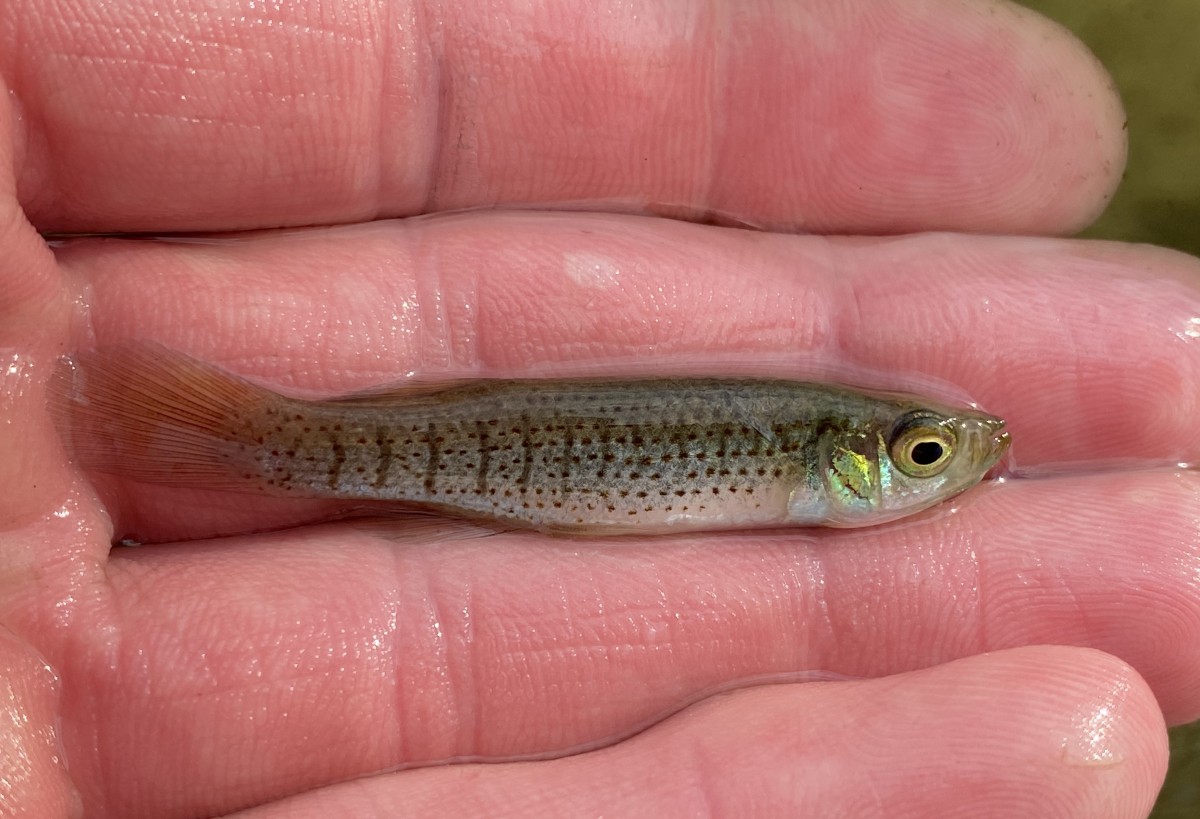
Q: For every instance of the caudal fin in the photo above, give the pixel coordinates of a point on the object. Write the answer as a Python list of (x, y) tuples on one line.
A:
[(152, 415)]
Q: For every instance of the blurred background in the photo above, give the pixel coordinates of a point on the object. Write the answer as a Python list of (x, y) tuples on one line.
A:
[(1152, 50)]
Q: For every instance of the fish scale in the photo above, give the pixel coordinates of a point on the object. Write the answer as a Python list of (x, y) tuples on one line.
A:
[(567, 455)]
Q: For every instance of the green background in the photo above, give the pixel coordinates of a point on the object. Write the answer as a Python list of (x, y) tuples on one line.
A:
[(1152, 48)]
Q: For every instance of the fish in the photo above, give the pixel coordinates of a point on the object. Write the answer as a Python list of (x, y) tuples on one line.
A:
[(582, 456)]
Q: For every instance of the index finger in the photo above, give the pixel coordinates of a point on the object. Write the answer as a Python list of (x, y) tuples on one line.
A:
[(827, 115)]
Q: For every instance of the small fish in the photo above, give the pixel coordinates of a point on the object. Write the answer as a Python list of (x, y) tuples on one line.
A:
[(586, 456)]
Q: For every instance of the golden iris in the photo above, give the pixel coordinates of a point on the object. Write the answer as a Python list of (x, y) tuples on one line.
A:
[(922, 446)]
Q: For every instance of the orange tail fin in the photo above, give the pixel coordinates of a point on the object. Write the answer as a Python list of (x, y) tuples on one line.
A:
[(156, 416)]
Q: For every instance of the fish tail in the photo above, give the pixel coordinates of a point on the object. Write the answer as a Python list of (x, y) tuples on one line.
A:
[(155, 416)]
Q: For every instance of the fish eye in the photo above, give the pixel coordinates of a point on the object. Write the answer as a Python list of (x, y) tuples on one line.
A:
[(922, 446)]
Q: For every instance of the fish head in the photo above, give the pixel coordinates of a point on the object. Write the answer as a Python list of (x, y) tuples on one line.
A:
[(900, 462)]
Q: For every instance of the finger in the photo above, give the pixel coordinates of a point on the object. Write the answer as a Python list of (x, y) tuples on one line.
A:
[(1068, 341), (33, 326), (33, 775), (320, 655), (865, 116), (1044, 731), (47, 569)]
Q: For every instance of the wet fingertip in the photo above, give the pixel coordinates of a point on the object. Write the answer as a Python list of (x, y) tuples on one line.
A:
[(1095, 696), (1066, 731), (1094, 719), (1112, 730)]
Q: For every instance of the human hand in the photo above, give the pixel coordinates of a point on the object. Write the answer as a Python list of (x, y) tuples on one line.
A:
[(257, 672)]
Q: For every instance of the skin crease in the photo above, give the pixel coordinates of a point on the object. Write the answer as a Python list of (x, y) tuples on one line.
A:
[(1022, 647)]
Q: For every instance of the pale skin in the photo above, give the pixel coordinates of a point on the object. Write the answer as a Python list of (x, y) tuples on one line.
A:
[(1022, 654)]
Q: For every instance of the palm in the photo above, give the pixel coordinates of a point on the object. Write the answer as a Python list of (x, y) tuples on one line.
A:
[(205, 676)]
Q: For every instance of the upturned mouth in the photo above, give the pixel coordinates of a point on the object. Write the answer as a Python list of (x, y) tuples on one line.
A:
[(1000, 442), (991, 445)]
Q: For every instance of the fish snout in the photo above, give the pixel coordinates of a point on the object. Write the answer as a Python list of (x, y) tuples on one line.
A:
[(991, 442)]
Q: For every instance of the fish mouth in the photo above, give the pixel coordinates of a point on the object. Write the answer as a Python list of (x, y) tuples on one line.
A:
[(1000, 442), (995, 440)]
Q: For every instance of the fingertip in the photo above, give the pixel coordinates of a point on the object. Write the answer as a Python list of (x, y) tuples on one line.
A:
[(1109, 716), (1073, 89), (1105, 732), (1094, 709), (1041, 730), (948, 115)]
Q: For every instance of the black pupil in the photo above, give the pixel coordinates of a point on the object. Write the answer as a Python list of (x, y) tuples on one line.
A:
[(927, 453)]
